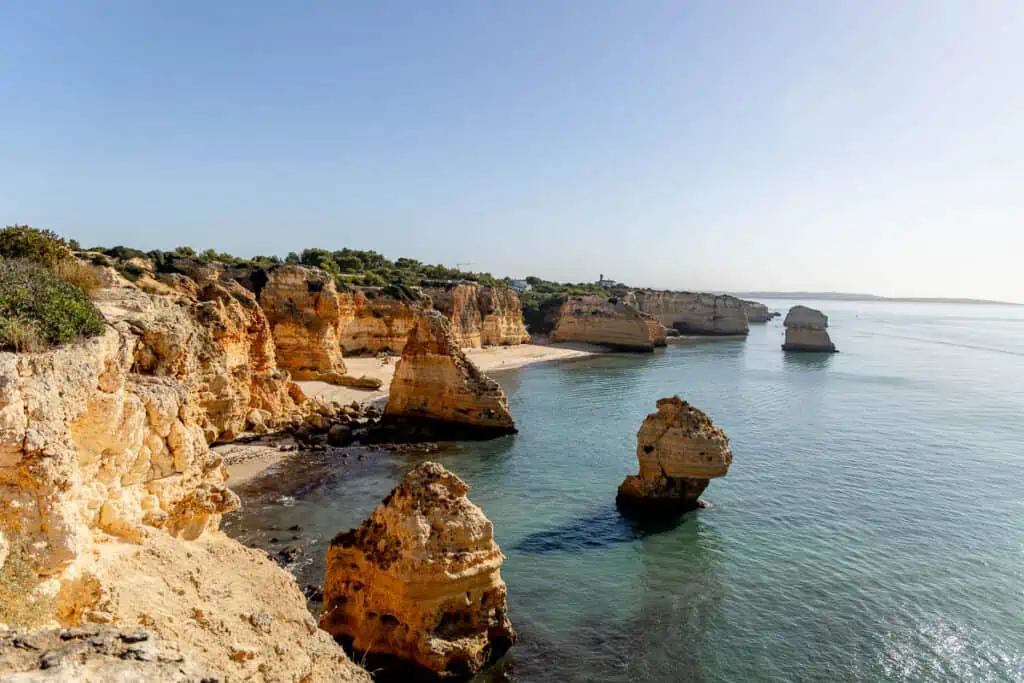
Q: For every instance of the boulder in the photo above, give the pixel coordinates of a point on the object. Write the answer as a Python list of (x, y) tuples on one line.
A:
[(695, 313), (435, 382), (680, 450), (417, 588), (610, 321), (806, 330)]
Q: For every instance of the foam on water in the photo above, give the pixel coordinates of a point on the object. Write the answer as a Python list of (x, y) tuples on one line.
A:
[(871, 528)]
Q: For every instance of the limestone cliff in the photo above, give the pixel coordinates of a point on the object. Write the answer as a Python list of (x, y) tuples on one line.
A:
[(679, 450), (373, 322), (215, 340), (302, 307), (480, 315), (695, 313), (757, 312), (418, 586), (613, 322), (806, 330), (110, 499), (435, 381)]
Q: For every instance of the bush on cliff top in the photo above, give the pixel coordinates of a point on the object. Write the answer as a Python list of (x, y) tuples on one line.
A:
[(38, 309), (38, 246)]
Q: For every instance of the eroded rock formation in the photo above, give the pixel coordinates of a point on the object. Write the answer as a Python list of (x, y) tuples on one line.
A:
[(418, 586), (695, 313), (609, 321), (758, 312), (806, 330), (481, 315), (373, 322), (434, 381), (680, 450)]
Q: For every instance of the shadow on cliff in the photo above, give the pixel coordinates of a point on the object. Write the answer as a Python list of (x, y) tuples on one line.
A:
[(604, 527)]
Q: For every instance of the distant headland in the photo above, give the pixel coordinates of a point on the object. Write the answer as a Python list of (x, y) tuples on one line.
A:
[(845, 296)]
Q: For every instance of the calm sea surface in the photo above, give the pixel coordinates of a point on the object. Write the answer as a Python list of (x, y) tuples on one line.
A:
[(871, 527)]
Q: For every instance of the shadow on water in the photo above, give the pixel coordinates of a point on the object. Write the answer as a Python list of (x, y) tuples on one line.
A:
[(604, 527)]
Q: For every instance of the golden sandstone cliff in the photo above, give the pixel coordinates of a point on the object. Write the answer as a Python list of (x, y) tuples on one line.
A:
[(680, 450), (695, 313), (110, 499), (611, 321), (373, 322), (434, 381), (480, 315), (418, 586)]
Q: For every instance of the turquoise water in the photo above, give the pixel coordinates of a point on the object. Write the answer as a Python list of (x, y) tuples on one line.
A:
[(871, 527)]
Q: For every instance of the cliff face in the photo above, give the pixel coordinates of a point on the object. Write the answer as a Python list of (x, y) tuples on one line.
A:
[(806, 331), (86, 444), (302, 307), (418, 585), (435, 381), (695, 313), (757, 312), (480, 315), (379, 324), (215, 340), (612, 322), (679, 450)]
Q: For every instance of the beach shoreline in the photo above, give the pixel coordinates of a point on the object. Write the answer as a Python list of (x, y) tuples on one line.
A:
[(245, 461)]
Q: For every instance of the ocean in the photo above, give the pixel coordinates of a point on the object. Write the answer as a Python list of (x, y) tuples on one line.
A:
[(871, 527)]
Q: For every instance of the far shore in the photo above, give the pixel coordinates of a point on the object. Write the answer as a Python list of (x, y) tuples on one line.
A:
[(245, 461)]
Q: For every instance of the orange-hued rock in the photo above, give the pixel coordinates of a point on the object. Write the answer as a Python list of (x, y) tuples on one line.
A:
[(373, 322), (302, 307), (610, 321), (216, 342), (435, 381), (417, 587), (481, 315), (679, 450)]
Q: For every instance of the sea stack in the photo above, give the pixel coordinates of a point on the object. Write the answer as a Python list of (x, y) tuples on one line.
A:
[(417, 588), (806, 331), (435, 383), (680, 450)]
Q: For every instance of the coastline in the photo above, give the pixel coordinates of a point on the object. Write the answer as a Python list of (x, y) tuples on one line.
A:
[(245, 461)]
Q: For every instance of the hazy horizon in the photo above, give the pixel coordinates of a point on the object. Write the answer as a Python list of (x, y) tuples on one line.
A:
[(849, 146)]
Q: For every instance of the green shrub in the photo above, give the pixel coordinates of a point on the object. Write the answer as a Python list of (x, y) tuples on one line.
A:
[(34, 298), (39, 246)]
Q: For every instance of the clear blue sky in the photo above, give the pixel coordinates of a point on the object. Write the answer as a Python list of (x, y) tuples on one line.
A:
[(860, 145)]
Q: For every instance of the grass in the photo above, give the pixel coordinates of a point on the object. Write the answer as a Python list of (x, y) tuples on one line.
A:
[(38, 309), (79, 274)]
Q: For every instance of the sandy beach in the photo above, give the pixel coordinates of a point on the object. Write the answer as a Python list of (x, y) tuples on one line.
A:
[(247, 460)]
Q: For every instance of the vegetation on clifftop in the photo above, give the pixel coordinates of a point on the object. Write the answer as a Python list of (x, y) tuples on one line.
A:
[(43, 300)]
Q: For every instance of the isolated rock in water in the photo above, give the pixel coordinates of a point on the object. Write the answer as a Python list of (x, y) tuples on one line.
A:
[(757, 312), (806, 331), (679, 450), (695, 313), (418, 586), (302, 307), (480, 315), (436, 382), (610, 321)]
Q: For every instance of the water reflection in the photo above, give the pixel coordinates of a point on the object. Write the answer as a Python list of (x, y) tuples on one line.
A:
[(603, 527)]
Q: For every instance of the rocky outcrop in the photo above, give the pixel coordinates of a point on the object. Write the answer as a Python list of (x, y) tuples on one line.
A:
[(695, 313), (302, 307), (216, 341), (109, 504), (480, 315), (757, 312), (806, 330), (679, 450), (94, 654), (417, 587), (373, 322), (434, 381), (609, 321)]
